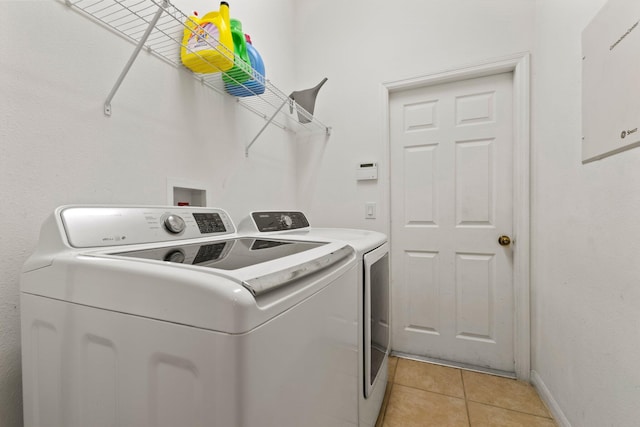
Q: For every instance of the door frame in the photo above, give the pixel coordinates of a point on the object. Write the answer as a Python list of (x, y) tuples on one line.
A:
[(519, 65)]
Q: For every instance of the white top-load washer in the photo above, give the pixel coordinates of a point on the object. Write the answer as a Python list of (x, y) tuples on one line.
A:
[(372, 252), (165, 316)]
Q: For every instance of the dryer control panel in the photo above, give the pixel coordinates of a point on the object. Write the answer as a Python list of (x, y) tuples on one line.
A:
[(279, 220), (98, 226)]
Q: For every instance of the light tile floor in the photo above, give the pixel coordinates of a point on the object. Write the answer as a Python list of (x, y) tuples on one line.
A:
[(423, 394)]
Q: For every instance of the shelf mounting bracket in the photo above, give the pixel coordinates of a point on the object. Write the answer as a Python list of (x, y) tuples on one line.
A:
[(286, 101), (134, 55)]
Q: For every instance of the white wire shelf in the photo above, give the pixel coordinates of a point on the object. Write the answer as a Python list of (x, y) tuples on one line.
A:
[(158, 27)]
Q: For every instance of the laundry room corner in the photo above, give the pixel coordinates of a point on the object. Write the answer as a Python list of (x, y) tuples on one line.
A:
[(58, 147)]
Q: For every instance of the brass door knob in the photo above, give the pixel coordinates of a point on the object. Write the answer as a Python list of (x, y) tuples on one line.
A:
[(504, 240)]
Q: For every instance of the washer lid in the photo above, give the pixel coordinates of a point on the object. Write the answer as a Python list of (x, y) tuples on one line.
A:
[(259, 264), (229, 254)]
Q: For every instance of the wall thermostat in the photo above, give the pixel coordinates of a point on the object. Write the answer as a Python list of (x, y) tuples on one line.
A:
[(367, 171)]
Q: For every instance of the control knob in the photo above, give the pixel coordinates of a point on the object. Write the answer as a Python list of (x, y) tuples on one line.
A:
[(286, 221), (174, 224), (175, 256)]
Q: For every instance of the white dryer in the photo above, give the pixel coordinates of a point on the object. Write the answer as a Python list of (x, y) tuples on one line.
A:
[(165, 316), (372, 283)]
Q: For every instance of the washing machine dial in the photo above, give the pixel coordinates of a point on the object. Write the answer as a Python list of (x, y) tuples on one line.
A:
[(286, 221), (174, 224), (176, 256)]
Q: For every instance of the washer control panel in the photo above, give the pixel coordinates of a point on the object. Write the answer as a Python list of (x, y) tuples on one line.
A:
[(279, 220), (97, 226)]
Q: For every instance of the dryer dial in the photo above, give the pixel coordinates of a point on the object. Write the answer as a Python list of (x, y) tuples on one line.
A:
[(286, 221)]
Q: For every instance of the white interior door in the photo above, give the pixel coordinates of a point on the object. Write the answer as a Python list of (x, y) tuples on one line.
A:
[(452, 198)]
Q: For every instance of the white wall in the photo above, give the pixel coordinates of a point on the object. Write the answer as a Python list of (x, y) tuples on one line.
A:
[(57, 147), (359, 45), (586, 274)]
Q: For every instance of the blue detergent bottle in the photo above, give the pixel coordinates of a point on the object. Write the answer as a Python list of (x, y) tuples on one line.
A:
[(255, 85)]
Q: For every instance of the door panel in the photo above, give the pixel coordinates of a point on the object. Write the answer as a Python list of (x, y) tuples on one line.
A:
[(451, 197), (420, 192), (423, 315), (474, 290), (474, 183)]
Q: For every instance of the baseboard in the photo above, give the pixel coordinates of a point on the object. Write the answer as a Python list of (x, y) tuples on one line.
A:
[(458, 365), (548, 399)]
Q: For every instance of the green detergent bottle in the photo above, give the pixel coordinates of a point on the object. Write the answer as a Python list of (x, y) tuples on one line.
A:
[(241, 70)]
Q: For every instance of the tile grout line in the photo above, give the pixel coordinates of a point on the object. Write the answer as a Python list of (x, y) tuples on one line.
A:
[(464, 392), (386, 406), (431, 391), (512, 410), (390, 384)]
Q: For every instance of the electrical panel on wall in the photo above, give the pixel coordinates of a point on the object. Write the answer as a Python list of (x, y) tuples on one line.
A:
[(611, 81)]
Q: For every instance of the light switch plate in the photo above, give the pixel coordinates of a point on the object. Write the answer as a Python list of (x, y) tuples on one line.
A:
[(370, 210)]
